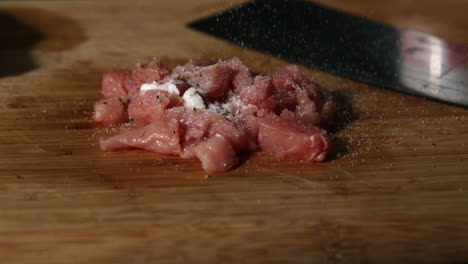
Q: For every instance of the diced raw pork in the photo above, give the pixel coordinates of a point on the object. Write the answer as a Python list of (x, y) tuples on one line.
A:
[(116, 83), (259, 93), (200, 124), (110, 112), (216, 154), (242, 75), (213, 80), (309, 96), (226, 111), (147, 107), (289, 139), (147, 73), (160, 137)]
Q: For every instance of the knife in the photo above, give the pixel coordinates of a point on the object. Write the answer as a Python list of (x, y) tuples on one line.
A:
[(348, 46)]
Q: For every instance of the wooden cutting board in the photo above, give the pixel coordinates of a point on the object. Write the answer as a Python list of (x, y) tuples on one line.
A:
[(395, 189)]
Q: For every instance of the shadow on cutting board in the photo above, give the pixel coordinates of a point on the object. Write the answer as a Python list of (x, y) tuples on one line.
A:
[(17, 40), (25, 29), (344, 116)]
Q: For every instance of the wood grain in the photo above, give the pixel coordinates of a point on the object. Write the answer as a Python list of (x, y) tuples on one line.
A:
[(395, 190)]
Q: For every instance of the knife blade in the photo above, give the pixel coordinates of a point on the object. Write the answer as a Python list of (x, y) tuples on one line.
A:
[(348, 46)]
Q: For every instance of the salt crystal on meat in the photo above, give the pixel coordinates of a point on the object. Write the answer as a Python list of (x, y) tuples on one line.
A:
[(169, 87)]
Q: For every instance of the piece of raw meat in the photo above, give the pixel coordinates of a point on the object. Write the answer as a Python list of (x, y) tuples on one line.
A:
[(110, 112)]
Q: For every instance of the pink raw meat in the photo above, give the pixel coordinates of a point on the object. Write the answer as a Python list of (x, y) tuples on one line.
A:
[(239, 112), (147, 73), (150, 72), (216, 154), (242, 75), (161, 137), (259, 93), (200, 124), (289, 139), (150, 106), (213, 80), (116, 83), (309, 96), (110, 112)]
